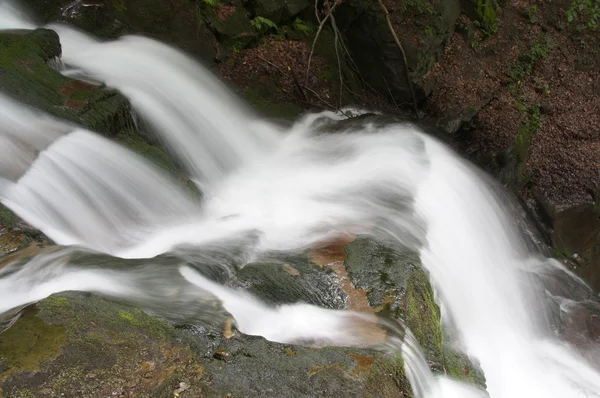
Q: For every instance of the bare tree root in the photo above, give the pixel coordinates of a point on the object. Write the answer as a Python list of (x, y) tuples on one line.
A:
[(339, 62), (321, 25), (389, 23), (313, 92), (351, 61)]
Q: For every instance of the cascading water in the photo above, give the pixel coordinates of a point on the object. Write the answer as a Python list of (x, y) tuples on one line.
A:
[(270, 190)]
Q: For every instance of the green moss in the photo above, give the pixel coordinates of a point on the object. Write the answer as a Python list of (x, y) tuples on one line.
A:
[(25, 76), (384, 368), (7, 217), (527, 62), (533, 121), (587, 12), (423, 315), (28, 343), (103, 347), (561, 253), (421, 6), (486, 11), (128, 316), (459, 367), (119, 5), (134, 141), (55, 301), (281, 110)]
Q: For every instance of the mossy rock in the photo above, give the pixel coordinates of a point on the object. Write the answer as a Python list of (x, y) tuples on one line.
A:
[(396, 283), (76, 345), (177, 22), (233, 29), (399, 287), (482, 11), (25, 76), (80, 345), (422, 26), (280, 11), (93, 18), (266, 107)]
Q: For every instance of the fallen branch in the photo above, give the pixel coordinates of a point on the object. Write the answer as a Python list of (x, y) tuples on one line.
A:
[(397, 40)]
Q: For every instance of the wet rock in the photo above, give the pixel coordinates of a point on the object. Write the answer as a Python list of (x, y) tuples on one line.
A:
[(85, 346), (25, 75), (397, 286), (176, 22), (91, 16), (576, 230), (287, 279)]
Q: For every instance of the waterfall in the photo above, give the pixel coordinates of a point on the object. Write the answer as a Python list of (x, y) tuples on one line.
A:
[(273, 190)]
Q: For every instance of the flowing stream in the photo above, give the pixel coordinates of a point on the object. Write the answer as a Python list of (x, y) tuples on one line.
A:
[(127, 229)]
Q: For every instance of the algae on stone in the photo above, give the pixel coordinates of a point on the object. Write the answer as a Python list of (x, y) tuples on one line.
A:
[(25, 76)]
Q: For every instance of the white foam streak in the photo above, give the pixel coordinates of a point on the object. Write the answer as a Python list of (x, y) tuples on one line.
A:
[(289, 324)]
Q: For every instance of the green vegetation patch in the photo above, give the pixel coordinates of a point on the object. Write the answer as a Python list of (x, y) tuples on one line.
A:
[(528, 61), (586, 12), (25, 76), (27, 344), (423, 314)]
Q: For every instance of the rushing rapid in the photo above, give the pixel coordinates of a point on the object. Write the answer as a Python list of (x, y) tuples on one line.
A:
[(266, 188)]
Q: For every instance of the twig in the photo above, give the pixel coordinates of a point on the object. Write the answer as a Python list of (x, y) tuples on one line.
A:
[(270, 63), (319, 97), (297, 83), (390, 92), (321, 25), (337, 55), (389, 23), (317, 11), (294, 78)]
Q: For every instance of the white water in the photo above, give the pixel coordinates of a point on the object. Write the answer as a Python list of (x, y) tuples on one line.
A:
[(12, 17), (291, 190)]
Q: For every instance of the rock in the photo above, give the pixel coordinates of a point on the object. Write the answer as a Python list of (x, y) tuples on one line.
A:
[(232, 26), (577, 229), (25, 75), (87, 346), (279, 11), (79, 345), (176, 22), (75, 345), (92, 17), (421, 30)]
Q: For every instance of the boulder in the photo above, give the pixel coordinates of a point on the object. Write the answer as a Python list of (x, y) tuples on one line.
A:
[(422, 30), (91, 16), (82, 345), (179, 23), (78, 345), (280, 11), (26, 76)]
